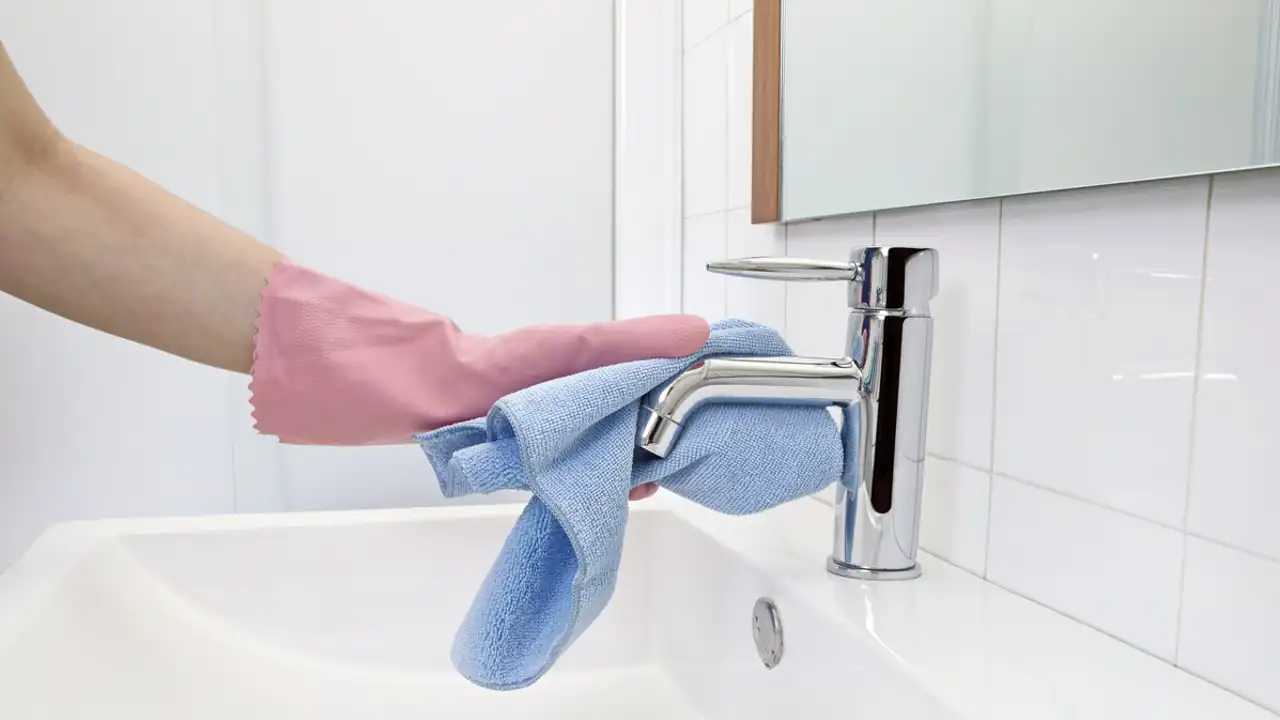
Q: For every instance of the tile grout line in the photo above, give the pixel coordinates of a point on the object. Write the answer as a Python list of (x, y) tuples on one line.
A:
[(959, 462), (682, 57), (705, 213), (1195, 377), (684, 50), (1236, 548), (220, 170), (1085, 623), (1195, 402), (995, 384), (1087, 501), (724, 255), (786, 287), (1117, 638), (1097, 505), (947, 561), (726, 67), (618, 117), (786, 294)]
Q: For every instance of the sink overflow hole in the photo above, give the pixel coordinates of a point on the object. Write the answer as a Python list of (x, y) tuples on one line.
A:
[(766, 630)]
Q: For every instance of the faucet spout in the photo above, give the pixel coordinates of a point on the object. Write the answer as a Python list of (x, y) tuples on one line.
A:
[(881, 384), (765, 380)]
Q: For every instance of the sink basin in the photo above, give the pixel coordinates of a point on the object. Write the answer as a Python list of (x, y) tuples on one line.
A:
[(344, 615)]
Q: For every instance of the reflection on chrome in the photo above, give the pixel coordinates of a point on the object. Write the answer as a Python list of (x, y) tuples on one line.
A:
[(881, 387)]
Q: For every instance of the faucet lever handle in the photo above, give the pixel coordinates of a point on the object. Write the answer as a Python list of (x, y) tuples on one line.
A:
[(785, 268)]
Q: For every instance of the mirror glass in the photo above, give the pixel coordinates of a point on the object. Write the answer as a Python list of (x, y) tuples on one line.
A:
[(889, 104)]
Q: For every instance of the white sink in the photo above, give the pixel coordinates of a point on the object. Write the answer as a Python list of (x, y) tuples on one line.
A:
[(351, 615)]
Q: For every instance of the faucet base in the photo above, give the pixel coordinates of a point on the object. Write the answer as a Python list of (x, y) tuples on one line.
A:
[(853, 572)]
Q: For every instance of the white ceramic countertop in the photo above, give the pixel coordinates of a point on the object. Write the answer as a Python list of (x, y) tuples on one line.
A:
[(359, 608), (977, 647)]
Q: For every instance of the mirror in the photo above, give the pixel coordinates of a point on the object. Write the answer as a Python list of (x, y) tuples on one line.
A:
[(889, 104)]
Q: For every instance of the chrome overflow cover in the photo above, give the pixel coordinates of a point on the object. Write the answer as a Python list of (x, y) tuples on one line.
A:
[(766, 629)]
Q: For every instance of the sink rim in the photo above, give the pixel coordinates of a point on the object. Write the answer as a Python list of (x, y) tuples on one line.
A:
[(977, 648)]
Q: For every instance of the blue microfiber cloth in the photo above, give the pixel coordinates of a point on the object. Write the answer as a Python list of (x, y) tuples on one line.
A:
[(571, 442)]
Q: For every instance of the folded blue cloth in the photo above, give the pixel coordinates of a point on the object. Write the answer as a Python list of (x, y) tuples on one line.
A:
[(571, 442)]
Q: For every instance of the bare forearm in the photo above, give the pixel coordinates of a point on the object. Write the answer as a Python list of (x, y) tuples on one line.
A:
[(92, 241)]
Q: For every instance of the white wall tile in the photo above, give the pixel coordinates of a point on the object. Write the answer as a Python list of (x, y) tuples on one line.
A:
[(763, 301), (818, 313), (702, 18), (739, 122), (1235, 497), (1115, 572), (1230, 627), (704, 242), (705, 130), (737, 7), (1099, 302), (953, 523), (966, 236)]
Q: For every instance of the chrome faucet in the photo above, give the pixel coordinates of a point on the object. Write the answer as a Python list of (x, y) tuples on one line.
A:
[(881, 387)]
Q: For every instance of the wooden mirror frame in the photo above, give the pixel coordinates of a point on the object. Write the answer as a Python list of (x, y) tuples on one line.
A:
[(766, 113)]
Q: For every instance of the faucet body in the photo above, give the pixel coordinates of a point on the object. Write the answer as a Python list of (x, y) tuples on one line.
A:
[(881, 387)]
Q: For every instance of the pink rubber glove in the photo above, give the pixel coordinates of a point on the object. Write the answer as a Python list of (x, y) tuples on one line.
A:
[(337, 365)]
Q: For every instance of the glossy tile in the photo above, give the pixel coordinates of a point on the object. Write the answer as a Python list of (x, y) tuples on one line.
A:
[(953, 524), (763, 301), (1235, 497), (737, 7), (1109, 570), (1230, 630), (702, 18), (818, 313), (704, 241), (705, 78), (966, 236), (1099, 303), (739, 120)]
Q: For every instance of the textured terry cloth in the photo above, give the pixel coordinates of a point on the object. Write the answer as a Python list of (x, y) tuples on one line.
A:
[(571, 442)]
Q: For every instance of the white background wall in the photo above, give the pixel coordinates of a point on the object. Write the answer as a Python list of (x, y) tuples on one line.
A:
[(1102, 416), (456, 155), (90, 425)]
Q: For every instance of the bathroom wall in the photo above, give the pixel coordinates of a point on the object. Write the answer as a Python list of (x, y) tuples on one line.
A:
[(457, 155), (90, 425), (1101, 435)]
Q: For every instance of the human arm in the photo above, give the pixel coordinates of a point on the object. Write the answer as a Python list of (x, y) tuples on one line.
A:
[(94, 242)]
